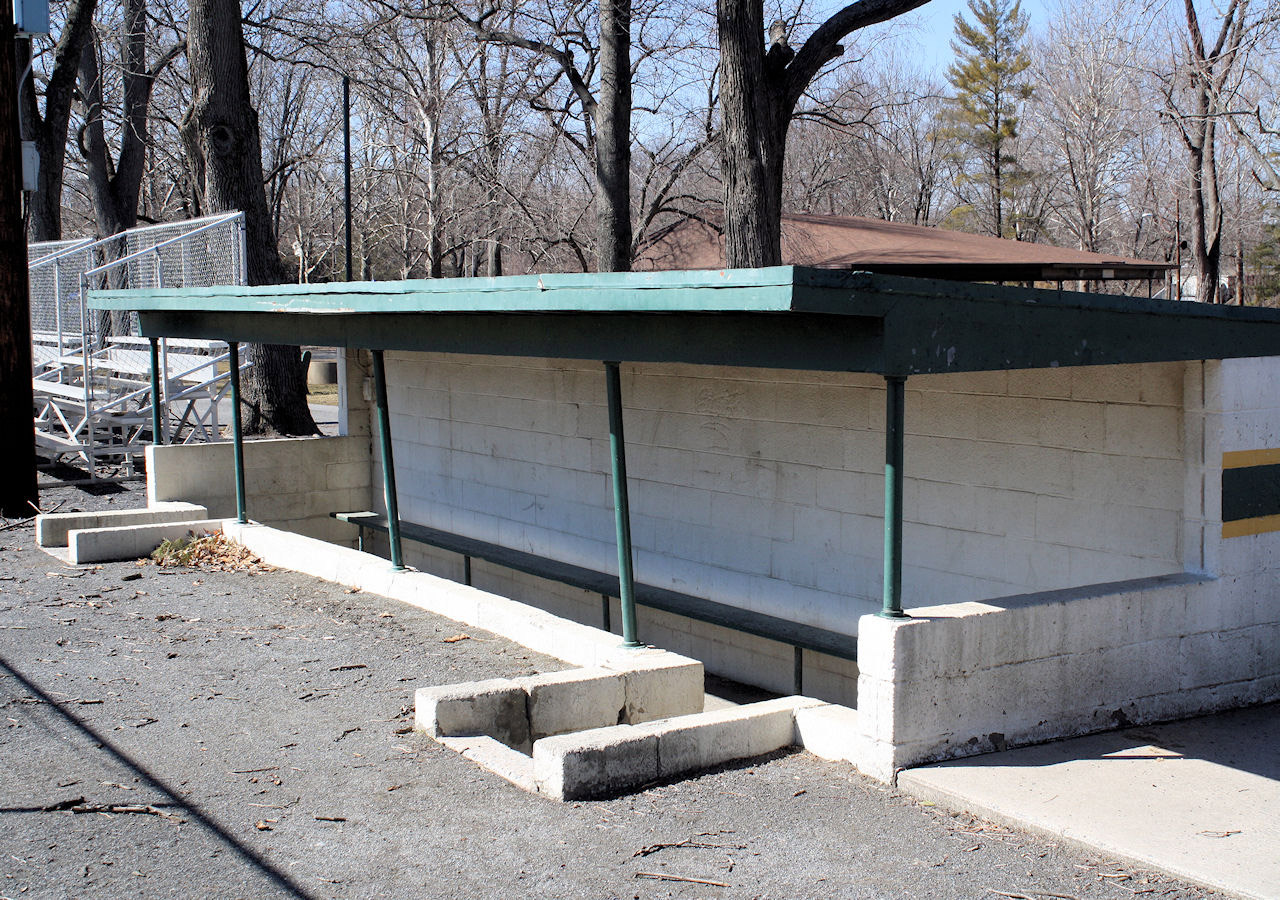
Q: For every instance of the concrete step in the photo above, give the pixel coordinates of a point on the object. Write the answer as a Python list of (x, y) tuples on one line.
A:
[(52, 528), (92, 545)]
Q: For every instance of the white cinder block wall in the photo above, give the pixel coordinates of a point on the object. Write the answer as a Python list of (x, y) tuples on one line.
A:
[(290, 483), (966, 678), (764, 489)]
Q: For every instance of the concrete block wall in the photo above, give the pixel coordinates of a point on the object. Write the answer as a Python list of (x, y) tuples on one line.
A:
[(764, 489), (965, 678), (291, 483), (969, 678)]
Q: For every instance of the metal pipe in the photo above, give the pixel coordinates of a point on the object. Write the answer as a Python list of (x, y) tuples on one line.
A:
[(605, 612), (621, 506), (466, 570), (237, 438), (166, 389), (895, 396), (388, 461), (346, 162), (157, 437), (799, 671)]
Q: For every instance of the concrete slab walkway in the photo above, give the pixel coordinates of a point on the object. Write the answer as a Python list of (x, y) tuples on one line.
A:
[(1199, 799)]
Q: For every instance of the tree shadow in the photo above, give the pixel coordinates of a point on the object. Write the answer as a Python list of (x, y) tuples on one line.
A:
[(174, 801)]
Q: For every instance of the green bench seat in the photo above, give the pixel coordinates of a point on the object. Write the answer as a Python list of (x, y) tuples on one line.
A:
[(800, 636)]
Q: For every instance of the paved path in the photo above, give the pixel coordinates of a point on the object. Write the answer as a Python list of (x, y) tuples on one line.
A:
[(1199, 799)]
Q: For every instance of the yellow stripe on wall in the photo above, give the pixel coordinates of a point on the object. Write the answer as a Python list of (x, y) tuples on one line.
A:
[(1239, 459), (1246, 527)]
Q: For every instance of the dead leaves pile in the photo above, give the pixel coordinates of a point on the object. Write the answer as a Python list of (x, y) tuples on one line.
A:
[(207, 551)]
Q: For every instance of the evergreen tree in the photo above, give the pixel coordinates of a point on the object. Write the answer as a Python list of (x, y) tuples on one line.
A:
[(989, 91)]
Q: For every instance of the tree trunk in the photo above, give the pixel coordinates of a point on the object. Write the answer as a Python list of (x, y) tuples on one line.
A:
[(114, 187), (758, 93), (754, 137), (613, 139), (221, 131)]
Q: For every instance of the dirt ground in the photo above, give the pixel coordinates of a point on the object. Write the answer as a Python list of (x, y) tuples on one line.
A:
[(178, 732)]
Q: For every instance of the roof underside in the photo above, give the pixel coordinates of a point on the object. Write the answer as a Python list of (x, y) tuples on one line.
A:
[(856, 243), (784, 317)]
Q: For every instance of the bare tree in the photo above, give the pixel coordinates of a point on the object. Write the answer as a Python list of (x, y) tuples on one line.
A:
[(1084, 111), (114, 183), (606, 110), (759, 91), (221, 132), (1199, 91)]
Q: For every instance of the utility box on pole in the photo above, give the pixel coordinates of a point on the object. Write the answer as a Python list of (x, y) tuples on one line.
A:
[(31, 16)]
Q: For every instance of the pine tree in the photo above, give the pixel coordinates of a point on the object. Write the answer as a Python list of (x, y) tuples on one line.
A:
[(989, 91)]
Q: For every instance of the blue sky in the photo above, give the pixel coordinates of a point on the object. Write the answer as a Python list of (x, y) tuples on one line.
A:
[(936, 24)]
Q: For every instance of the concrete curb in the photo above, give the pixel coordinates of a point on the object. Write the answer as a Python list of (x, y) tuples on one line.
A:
[(90, 545), (592, 726), (52, 528), (611, 760)]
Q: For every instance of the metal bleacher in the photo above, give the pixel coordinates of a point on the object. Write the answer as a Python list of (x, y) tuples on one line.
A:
[(92, 373)]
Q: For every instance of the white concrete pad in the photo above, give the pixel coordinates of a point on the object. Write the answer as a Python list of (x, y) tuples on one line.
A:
[(830, 732), (91, 545), (1197, 799), (52, 528)]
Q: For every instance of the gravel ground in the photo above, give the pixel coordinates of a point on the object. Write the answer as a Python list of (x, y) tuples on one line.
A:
[(189, 732)]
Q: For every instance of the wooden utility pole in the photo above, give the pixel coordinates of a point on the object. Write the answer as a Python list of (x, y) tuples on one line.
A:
[(18, 494)]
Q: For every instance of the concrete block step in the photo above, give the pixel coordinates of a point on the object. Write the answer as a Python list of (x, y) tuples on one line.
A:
[(52, 528), (90, 545), (608, 761)]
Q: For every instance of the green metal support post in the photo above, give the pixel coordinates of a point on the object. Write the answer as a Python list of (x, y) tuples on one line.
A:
[(157, 436), (895, 397), (388, 461), (621, 506), (237, 438)]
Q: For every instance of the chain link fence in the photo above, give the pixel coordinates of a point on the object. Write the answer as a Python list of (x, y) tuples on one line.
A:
[(194, 253)]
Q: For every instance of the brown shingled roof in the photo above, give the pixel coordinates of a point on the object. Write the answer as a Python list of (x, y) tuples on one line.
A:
[(862, 244)]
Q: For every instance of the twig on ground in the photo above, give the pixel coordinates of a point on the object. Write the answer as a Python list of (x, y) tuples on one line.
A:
[(688, 843), (78, 806), (662, 877)]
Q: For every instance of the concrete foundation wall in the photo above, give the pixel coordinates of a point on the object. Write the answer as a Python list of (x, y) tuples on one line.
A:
[(291, 483), (965, 678), (764, 489)]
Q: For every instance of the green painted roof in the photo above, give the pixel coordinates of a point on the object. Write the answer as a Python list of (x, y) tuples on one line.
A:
[(783, 317)]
